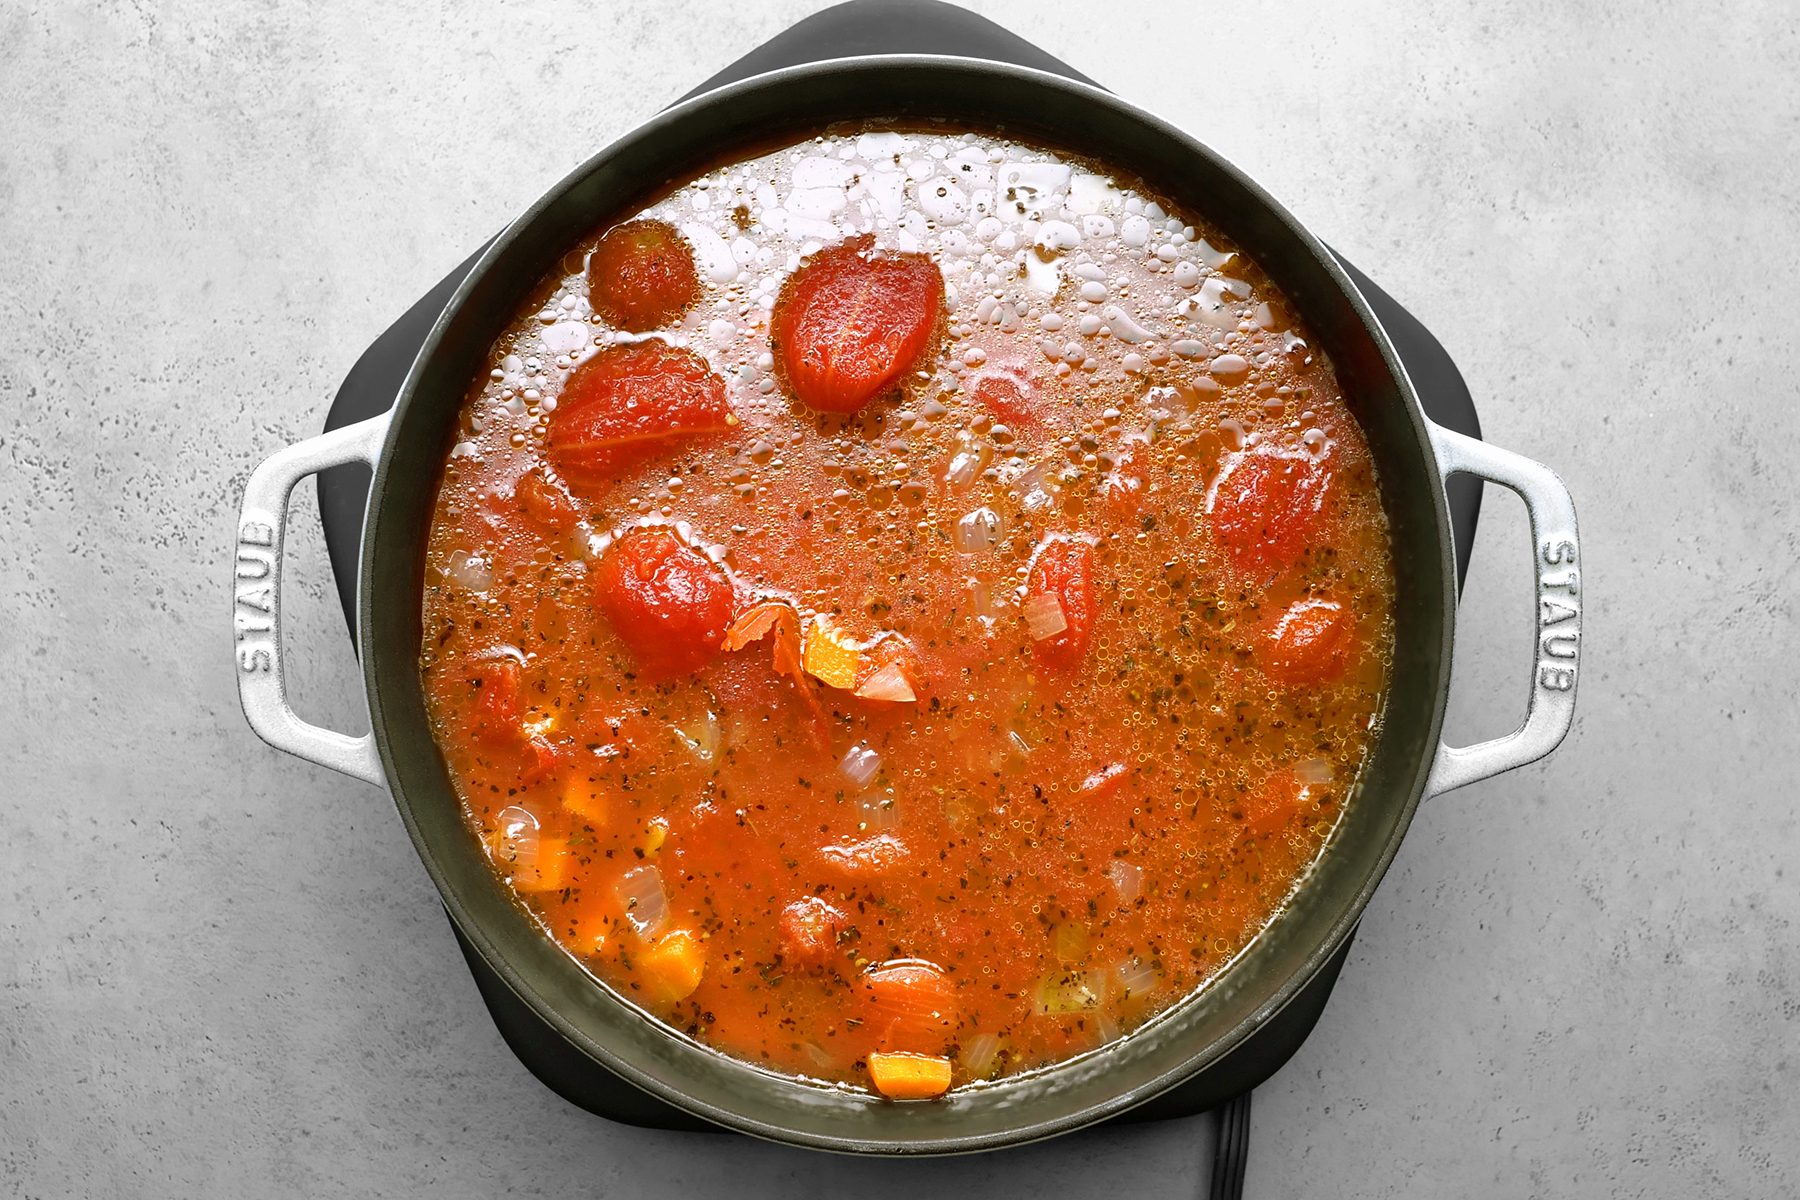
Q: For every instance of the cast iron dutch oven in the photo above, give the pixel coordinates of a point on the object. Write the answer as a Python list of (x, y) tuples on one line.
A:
[(406, 447)]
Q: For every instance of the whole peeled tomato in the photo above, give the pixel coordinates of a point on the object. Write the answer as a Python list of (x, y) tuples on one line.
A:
[(1266, 505), (668, 603), (628, 402), (852, 320), (641, 276)]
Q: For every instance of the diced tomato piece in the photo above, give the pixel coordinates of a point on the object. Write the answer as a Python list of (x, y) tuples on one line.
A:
[(1007, 395), (866, 860), (641, 275), (669, 603), (911, 1005), (810, 930), (628, 402), (544, 502), (1266, 505), (1106, 782), (1309, 644), (852, 320), (1097, 819), (499, 681), (542, 758), (1063, 568), (1123, 487)]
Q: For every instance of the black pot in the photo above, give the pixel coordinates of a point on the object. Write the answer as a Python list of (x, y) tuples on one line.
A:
[(407, 446)]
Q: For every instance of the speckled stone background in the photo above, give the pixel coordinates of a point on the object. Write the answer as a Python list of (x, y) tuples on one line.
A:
[(223, 971)]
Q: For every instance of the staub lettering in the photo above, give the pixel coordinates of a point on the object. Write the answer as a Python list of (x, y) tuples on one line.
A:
[(253, 615), (1559, 617)]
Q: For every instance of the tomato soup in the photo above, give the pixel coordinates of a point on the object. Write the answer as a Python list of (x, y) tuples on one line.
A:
[(907, 608)]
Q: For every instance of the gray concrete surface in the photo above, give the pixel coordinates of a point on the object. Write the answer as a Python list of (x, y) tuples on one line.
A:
[(223, 972)]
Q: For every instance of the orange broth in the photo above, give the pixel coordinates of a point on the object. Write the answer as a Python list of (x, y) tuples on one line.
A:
[(1087, 806)]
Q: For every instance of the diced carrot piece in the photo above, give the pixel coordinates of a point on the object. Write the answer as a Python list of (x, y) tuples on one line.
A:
[(830, 656), (901, 1075), (538, 865), (587, 799), (670, 968)]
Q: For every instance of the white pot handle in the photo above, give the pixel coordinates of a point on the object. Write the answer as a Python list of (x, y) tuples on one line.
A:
[(256, 607), (1557, 615)]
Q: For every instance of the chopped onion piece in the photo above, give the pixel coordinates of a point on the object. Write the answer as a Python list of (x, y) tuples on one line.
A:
[(977, 530), (1133, 977), (703, 736), (640, 893), (1313, 771), (471, 571), (1044, 617), (962, 469), (1065, 992), (860, 765), (1127, 879), (516, 842), (889, 683), (979, 1053)]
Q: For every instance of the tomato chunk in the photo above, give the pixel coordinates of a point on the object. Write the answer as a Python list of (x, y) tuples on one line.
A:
[(641, 276), (499, 706), (865, 860), (1007, 396), (628, 402), (669, 603), (852, 320), (911, 1005), (1309, 644), (1266, 505), (544, 502), (1123, 486), (1062, 571), (810, 930)]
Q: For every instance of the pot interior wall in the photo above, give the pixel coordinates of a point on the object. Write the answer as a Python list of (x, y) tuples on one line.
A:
[(727, 125)]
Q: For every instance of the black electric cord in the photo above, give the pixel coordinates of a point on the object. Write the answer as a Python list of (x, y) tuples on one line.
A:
[(1232, 1150)]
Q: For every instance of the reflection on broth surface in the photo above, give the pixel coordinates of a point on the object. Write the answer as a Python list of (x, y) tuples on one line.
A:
[(938, 638)]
